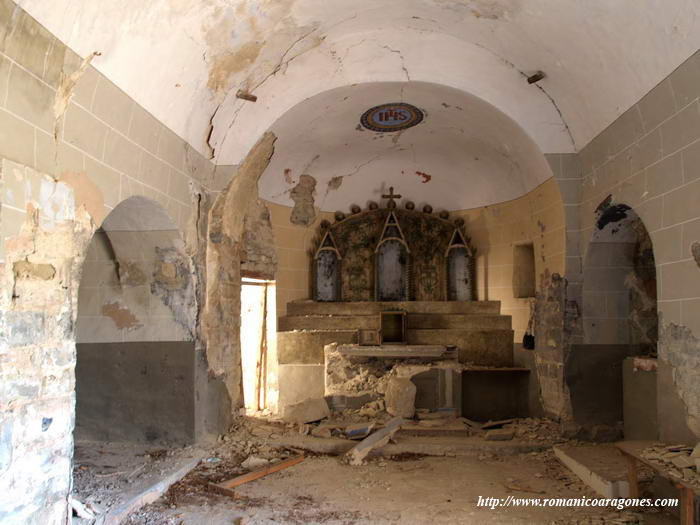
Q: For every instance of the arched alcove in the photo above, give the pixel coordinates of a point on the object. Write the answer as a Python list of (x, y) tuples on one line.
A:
[(619, 283), (608, 382), (134, 332)]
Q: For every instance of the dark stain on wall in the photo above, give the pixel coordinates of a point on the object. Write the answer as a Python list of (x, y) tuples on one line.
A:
[(610, 213)]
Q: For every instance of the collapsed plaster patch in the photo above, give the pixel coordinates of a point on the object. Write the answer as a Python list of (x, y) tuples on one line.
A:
[(679, 347), (220, 318), (173, 284), (556, 320), (86, 193), (65, 90), (424, 176), (123, 317), (335, 183), (303, 213), (610, 213), (226, 65), (695, 250), (27, 270), (130, 274)]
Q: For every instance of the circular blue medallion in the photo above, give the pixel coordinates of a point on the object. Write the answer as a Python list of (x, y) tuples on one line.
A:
[(391, 117)]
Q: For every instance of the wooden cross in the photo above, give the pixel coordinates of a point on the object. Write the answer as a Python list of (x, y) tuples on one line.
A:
[(391, 197)]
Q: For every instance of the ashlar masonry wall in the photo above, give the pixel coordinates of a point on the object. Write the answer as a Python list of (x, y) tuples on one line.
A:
[(649, 159), (72, 147)]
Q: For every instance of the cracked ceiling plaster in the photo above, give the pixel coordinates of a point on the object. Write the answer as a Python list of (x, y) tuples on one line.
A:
[(185, 60), (464, 154)]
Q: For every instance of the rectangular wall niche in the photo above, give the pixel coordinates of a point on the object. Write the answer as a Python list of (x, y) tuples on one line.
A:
[(393, 327), (523, 271)]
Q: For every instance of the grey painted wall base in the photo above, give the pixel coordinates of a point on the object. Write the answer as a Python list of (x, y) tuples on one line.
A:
[(639, 400), (594, 376), (140, 392)]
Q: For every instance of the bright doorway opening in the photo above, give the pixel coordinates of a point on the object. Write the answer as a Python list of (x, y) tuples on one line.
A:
[(258, 344)]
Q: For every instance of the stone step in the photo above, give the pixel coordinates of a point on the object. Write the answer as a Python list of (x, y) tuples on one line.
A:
[(306, 346), (601, 467), (459, 321), (307, 307), (371, 322), (479, 347), (328, 322)]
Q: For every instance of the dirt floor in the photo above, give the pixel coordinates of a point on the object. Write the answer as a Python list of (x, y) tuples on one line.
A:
[(104, 473), (406, 489)]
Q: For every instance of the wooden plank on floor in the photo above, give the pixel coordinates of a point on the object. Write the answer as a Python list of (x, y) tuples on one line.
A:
[(225, 486)]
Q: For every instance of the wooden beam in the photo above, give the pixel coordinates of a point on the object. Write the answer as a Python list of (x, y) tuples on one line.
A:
[(225, 486)]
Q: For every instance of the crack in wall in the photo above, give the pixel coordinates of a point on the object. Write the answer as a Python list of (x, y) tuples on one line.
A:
[(65, 91)]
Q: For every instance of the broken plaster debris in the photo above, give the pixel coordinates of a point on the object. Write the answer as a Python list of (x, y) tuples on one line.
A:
[(380, 438)]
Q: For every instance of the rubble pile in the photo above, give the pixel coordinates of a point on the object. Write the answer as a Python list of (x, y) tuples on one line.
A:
[(680, 461)]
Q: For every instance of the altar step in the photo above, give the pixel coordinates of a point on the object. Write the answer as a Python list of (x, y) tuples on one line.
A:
[(480, 347), (307, 307), (475, 321)]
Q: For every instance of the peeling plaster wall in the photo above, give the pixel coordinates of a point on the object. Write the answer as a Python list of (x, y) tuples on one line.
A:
[(38, 298), (220, 319), (649, 159), (125, 297), (72, 147), (258, 255), (104, 145)]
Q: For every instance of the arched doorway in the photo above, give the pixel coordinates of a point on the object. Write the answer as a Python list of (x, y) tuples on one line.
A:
[(611, 376), (134, 333), (619, 283)]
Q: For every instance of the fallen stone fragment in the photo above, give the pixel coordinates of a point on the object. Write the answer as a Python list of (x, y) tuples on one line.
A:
[(400, 397), (373, 408), (683, 462), (254, 462), (696, 452), (470, 423), (322, 431), (432, 422), (359, 430), (500, 434), (496, 424), (81, 510), (306, 411), (380, 438)]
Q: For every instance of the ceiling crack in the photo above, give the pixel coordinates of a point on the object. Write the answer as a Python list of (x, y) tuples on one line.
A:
[(403, 62), (525, 75)]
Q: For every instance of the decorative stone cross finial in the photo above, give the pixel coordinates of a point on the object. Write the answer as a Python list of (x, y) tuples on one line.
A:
[(391, 197)]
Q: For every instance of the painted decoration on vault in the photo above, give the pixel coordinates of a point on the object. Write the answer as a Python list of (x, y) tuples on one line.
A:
[(391, 117)]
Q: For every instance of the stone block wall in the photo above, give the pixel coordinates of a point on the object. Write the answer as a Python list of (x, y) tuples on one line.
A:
[(649, 159), (72, 147)]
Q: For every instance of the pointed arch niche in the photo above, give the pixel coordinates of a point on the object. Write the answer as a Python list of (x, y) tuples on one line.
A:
[(327, 270), (460, 268), (392, 263)]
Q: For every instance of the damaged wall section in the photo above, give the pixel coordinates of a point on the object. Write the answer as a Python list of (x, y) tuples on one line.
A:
[(630, 163), (221, 314), (136, 314)]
